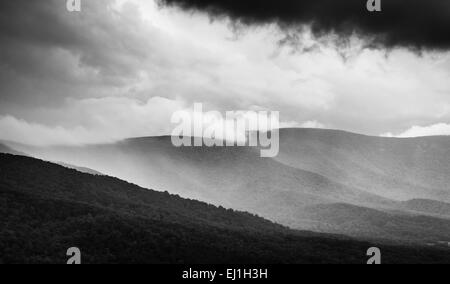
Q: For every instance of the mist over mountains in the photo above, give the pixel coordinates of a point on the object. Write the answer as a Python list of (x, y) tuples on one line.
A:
[(399, 169), (322, 180), (87, 90), (7, 150), (50, 208)]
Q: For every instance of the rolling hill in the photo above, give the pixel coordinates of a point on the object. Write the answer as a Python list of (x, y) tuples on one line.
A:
[(429, 206), (231, 177), (368, 223), (47, 208), (315, 169), (400, 169), (7, 150)]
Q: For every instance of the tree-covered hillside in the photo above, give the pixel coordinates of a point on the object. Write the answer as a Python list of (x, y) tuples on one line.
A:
[(46, 208)]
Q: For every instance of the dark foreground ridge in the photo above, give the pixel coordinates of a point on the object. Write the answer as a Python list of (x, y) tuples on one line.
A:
[(46, 208)]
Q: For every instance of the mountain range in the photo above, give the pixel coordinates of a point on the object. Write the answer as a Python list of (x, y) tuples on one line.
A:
[(322, 180), (47, 208)]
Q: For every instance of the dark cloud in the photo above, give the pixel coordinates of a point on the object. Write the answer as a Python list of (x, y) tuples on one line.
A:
[(415, 24), (48, 54), (96, 35)]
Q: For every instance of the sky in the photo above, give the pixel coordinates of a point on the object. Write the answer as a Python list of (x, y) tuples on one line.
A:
[(121, 68)]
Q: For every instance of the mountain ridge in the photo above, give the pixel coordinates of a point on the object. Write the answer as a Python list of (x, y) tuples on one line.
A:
[(113, 221), (315, 167)]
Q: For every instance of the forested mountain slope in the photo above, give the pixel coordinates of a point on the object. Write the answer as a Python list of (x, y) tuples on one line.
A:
[(47, 208)]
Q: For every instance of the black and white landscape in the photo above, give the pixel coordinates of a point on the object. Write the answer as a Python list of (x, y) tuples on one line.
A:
[(87, 157)]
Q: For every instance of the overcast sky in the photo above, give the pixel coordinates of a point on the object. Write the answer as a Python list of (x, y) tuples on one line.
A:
[(120, 69)]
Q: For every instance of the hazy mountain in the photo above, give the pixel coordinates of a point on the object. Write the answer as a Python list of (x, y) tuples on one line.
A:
[(47, 208), (7, 150), (314, 167), (81, 169), (375, 224), (400, 169), (428, 206), (233, 177)]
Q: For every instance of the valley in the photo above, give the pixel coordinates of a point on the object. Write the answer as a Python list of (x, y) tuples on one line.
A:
[(48, 208), (323, 180)]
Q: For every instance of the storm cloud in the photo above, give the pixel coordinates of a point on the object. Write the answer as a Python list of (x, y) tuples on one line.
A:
[(414, 24), (120, 68)]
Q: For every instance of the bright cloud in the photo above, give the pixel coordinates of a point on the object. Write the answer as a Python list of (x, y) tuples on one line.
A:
[(439, 129), (120, 68)]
